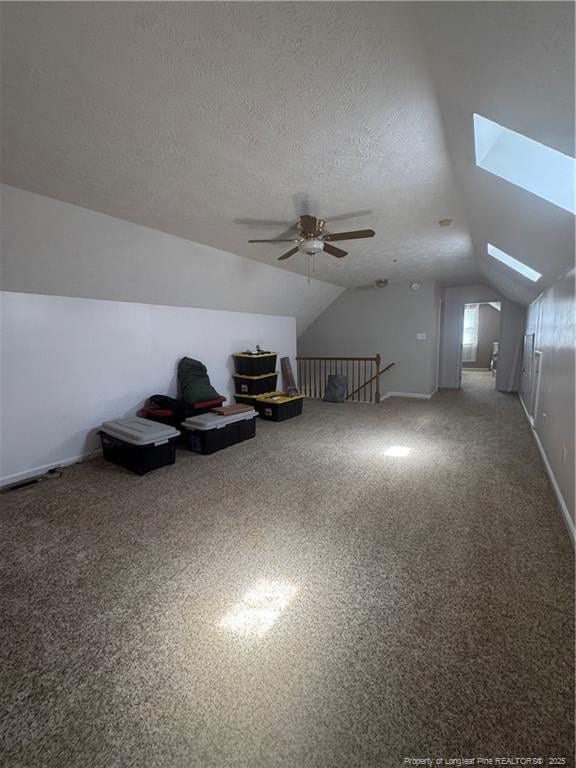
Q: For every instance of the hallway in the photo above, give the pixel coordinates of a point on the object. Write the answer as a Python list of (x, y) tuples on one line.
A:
[(479, 381), (354, 586)]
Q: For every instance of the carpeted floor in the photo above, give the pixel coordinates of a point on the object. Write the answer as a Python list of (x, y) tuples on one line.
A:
[(301, 600)]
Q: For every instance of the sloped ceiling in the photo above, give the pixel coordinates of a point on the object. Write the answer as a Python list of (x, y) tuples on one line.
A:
[(187, 117), (191, 117), (512, 63)]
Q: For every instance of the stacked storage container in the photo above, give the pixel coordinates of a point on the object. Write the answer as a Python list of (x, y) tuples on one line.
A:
[(276, 406), (255, 383), (255, 375)]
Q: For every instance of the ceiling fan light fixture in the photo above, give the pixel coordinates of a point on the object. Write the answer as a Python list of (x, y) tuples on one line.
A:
[(311, 246), (312, 239)]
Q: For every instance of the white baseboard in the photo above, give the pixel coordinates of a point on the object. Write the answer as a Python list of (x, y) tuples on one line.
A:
[(417, 395), (558, 493), (20, 477)]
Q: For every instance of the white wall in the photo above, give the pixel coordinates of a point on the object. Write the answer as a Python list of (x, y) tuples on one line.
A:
[(385, 320), (52, 247), (68, 364), (551, 319)]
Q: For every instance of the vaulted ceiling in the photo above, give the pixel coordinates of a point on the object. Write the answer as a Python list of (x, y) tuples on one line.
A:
[(512, 63), (212, 121)]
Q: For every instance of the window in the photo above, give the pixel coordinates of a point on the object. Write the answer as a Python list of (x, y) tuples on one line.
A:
[(526, 163), (470, 333), (514, 264)]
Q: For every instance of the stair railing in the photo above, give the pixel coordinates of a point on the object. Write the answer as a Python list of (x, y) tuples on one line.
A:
[(363, 374)]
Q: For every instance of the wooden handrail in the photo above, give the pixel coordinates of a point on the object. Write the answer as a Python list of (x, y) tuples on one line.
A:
[(362, 359), (363, 374), (376, 376)]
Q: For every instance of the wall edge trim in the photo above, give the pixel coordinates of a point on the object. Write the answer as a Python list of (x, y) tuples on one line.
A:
[(555, 487), (414, 395), (37, 472)]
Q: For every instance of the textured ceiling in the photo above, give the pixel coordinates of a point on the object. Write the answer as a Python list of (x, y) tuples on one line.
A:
[(512, 63), (192, 118), (186, 117)]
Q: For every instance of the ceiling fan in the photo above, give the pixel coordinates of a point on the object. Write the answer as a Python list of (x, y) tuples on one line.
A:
[(312, 238)]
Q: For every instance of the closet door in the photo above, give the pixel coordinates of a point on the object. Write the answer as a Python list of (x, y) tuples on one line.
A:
[(526, 376)]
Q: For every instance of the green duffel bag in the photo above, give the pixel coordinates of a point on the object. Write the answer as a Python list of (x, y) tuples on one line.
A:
[(194, 382)]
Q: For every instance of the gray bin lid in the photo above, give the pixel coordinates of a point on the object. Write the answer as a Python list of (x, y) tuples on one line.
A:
[(138, 431), (207, 421)]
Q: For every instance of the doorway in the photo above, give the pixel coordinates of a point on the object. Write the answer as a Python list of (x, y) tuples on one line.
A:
[(480, 342)]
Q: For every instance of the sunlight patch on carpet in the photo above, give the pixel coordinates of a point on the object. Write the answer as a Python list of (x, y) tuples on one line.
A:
[(259, 608), (397, 450)]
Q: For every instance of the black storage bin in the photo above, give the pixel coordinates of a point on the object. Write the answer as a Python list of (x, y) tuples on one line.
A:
[(246, 400), (138, 444), (209, 439), (278, 407), (255, 385), (255, 365)]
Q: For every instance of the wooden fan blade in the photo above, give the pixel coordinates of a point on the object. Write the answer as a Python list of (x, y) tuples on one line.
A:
[(287, 255), (351, 215), (290, 231), (308, 225), (261, 222), (292, 240), (350, 235), (333, 251)]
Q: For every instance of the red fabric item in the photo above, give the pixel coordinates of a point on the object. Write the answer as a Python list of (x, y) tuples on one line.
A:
[(163, 412), (210, 403)]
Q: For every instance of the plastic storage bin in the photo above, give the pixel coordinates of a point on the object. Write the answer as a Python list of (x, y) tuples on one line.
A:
[(279, 407), (255, 365), (251, 399), (139, 445), (211, 432), (255, 385)]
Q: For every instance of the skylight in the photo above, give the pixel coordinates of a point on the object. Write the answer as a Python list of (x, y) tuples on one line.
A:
[(524, 270), (526, 163)]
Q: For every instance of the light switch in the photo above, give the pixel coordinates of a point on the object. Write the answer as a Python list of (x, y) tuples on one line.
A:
[(421, 336)]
